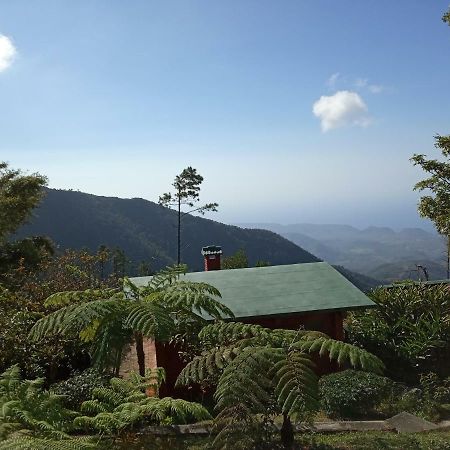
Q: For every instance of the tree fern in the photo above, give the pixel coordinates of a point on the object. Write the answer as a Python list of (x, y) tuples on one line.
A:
[(160, 310), (60, 299), (245, 379), (341, 352), (255, 366), (296, 387), (151, 319)]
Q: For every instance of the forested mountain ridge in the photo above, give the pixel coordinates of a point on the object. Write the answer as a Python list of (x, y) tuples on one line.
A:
[(146, 231), (378, 252)]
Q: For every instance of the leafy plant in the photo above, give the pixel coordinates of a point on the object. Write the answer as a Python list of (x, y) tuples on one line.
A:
[(258, 370), (124, 404), (78, 388), (409, 331), (352, 394), (31, 417), (110, 319)]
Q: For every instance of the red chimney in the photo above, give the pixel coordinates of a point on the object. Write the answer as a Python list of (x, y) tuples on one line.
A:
[(212, 253)]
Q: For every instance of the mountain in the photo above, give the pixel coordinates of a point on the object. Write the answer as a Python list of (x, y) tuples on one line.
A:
[(408, 270), (146, 231), (378, 252)]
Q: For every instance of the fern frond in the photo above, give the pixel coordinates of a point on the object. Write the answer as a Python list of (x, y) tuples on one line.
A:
[(66, 298), (224, 333), (53, 323), (209, 364), (246, 380), (35, 443), (296, 384), (341, 352), (164, 278), (151, 319), (180, 411), (75, 318), (200, 298)]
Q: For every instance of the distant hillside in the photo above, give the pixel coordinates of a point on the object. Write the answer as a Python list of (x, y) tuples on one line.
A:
[(146, 231), (408, 270), (378, 252)]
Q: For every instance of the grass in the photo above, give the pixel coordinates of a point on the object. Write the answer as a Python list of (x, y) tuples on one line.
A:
[(376, 440), (372, 440)]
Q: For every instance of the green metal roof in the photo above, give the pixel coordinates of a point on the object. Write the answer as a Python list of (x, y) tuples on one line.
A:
[(276, 290)]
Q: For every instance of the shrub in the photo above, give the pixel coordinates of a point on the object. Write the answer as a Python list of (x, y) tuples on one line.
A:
[(78, 388), (353, 394), (409, 331)]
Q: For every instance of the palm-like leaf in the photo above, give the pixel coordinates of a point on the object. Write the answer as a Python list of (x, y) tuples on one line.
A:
[(295, 382), (158, 310), (151, 319), (255, 366), (341, 352), (124, 404), (245, 379)]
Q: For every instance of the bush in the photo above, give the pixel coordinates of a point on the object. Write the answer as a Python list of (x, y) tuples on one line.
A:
[(409, 331), (78, 388), (353, 394)]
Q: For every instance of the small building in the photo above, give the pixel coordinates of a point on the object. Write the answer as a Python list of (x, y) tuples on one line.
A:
[(314, 296)]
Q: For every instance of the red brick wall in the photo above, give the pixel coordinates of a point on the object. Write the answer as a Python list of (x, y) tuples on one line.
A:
[(130, 361)]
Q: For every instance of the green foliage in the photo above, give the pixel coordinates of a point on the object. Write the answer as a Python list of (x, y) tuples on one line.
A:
[(36, 443), (19, 194), (165, 307), (30, 415), (377, 440), (409, 331), (79, 387), (187, 192), (124, 405), (436, 205), (446, 17), (144, 230), (430, 400), (257, 369), (237, 261), (353, 395)]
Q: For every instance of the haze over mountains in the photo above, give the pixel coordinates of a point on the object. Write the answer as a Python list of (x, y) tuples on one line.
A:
[(378, 252), (145, 231)]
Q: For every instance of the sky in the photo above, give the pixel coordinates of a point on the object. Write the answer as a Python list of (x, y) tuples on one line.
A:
[(293, 111)]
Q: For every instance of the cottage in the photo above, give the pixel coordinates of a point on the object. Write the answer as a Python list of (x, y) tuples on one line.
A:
[(310, 295)]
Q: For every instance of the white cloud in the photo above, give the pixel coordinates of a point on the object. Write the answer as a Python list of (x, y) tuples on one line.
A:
[(341, 109), (376, 88), (7, 52), (331, 82)]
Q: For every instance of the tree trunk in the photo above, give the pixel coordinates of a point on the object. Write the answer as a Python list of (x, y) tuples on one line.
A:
[(179, 230), (287, 432), (448, 257), (139, 342)]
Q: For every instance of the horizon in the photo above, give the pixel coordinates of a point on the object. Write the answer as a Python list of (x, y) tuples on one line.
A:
[(308, 113)]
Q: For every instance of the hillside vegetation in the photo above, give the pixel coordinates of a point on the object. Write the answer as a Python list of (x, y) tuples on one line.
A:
[(146, 231)]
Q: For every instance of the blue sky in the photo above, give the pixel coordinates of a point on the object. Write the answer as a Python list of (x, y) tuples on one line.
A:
[(293, 111)]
